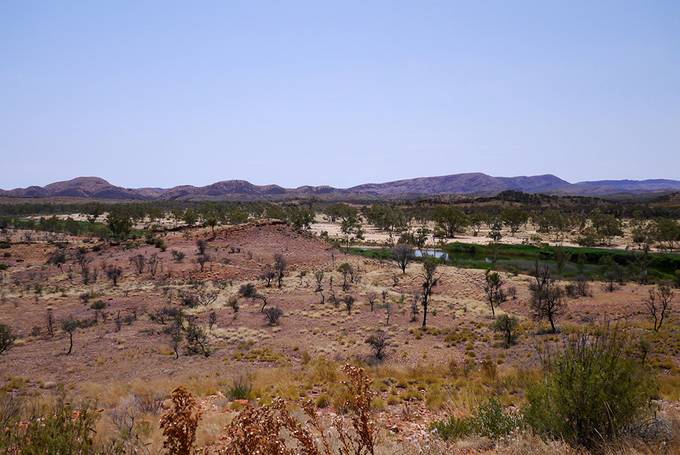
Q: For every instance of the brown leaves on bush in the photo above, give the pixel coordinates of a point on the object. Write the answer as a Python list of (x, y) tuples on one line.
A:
[(262, 430), (362, 440), (273, 430), (179, 423)]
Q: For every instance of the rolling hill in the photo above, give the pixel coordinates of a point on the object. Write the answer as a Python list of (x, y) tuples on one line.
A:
[(477, 184)]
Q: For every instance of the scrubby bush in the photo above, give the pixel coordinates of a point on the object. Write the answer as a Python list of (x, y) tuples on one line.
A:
[(280, 265), (179, 423), (402, 254), (490, 420), (241, 388), (59, 428), (274, 429), (98, 305), (114, 274), (58, 257), (197, 339), (378, 343), (272, 315), (592, 392), (507, 325), (349, 300), (249, 291), (659, 304), (6, 338), (159, 243), (547, 297)]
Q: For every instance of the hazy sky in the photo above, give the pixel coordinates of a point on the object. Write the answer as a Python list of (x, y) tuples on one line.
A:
[(337, 92)]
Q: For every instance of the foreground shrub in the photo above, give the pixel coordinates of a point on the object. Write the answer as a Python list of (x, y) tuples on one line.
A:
[(490, 420), (274, 430), (179, 423), (60, 428), (241, 389), (591, 393)]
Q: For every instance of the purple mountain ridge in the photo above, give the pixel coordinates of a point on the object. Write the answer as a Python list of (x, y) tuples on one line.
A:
[(456, 184)]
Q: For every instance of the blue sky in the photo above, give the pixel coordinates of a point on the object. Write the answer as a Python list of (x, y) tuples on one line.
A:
[(337, 92)]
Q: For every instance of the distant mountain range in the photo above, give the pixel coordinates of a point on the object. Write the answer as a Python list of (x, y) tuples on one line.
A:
[(469, 184)]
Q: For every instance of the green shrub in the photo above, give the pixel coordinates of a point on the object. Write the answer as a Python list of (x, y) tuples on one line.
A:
[(493, 421), (159, 243), (490, 420), (51, 429), (454, 428), (591, 392), (7, 338), (98, 305), (241, 389), (507, 326)]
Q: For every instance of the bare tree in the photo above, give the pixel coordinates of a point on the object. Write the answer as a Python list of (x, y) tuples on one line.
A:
[(69, 326), (138, 261), (280, 265), (152, 264), (389, 309), (547, 297), (414, 306), (379, 342), (233, 304), (6, 338), (403, 254), (114, 273), (347, 271), (507, 325), (273, 314), (348, 300), (371, 296), (50, 322), (84, 263), (201, 247), (658, 304), (429, 268), (202, 259), (318, 277), (492, 287), (249, 291), (267, 275), (197, 340)]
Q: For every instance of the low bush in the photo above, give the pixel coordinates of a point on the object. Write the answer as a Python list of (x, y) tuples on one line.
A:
[(98, 305), (241, 389), (592, 392), (490, 420), (59, 428), (272, 315), (6, 338)]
